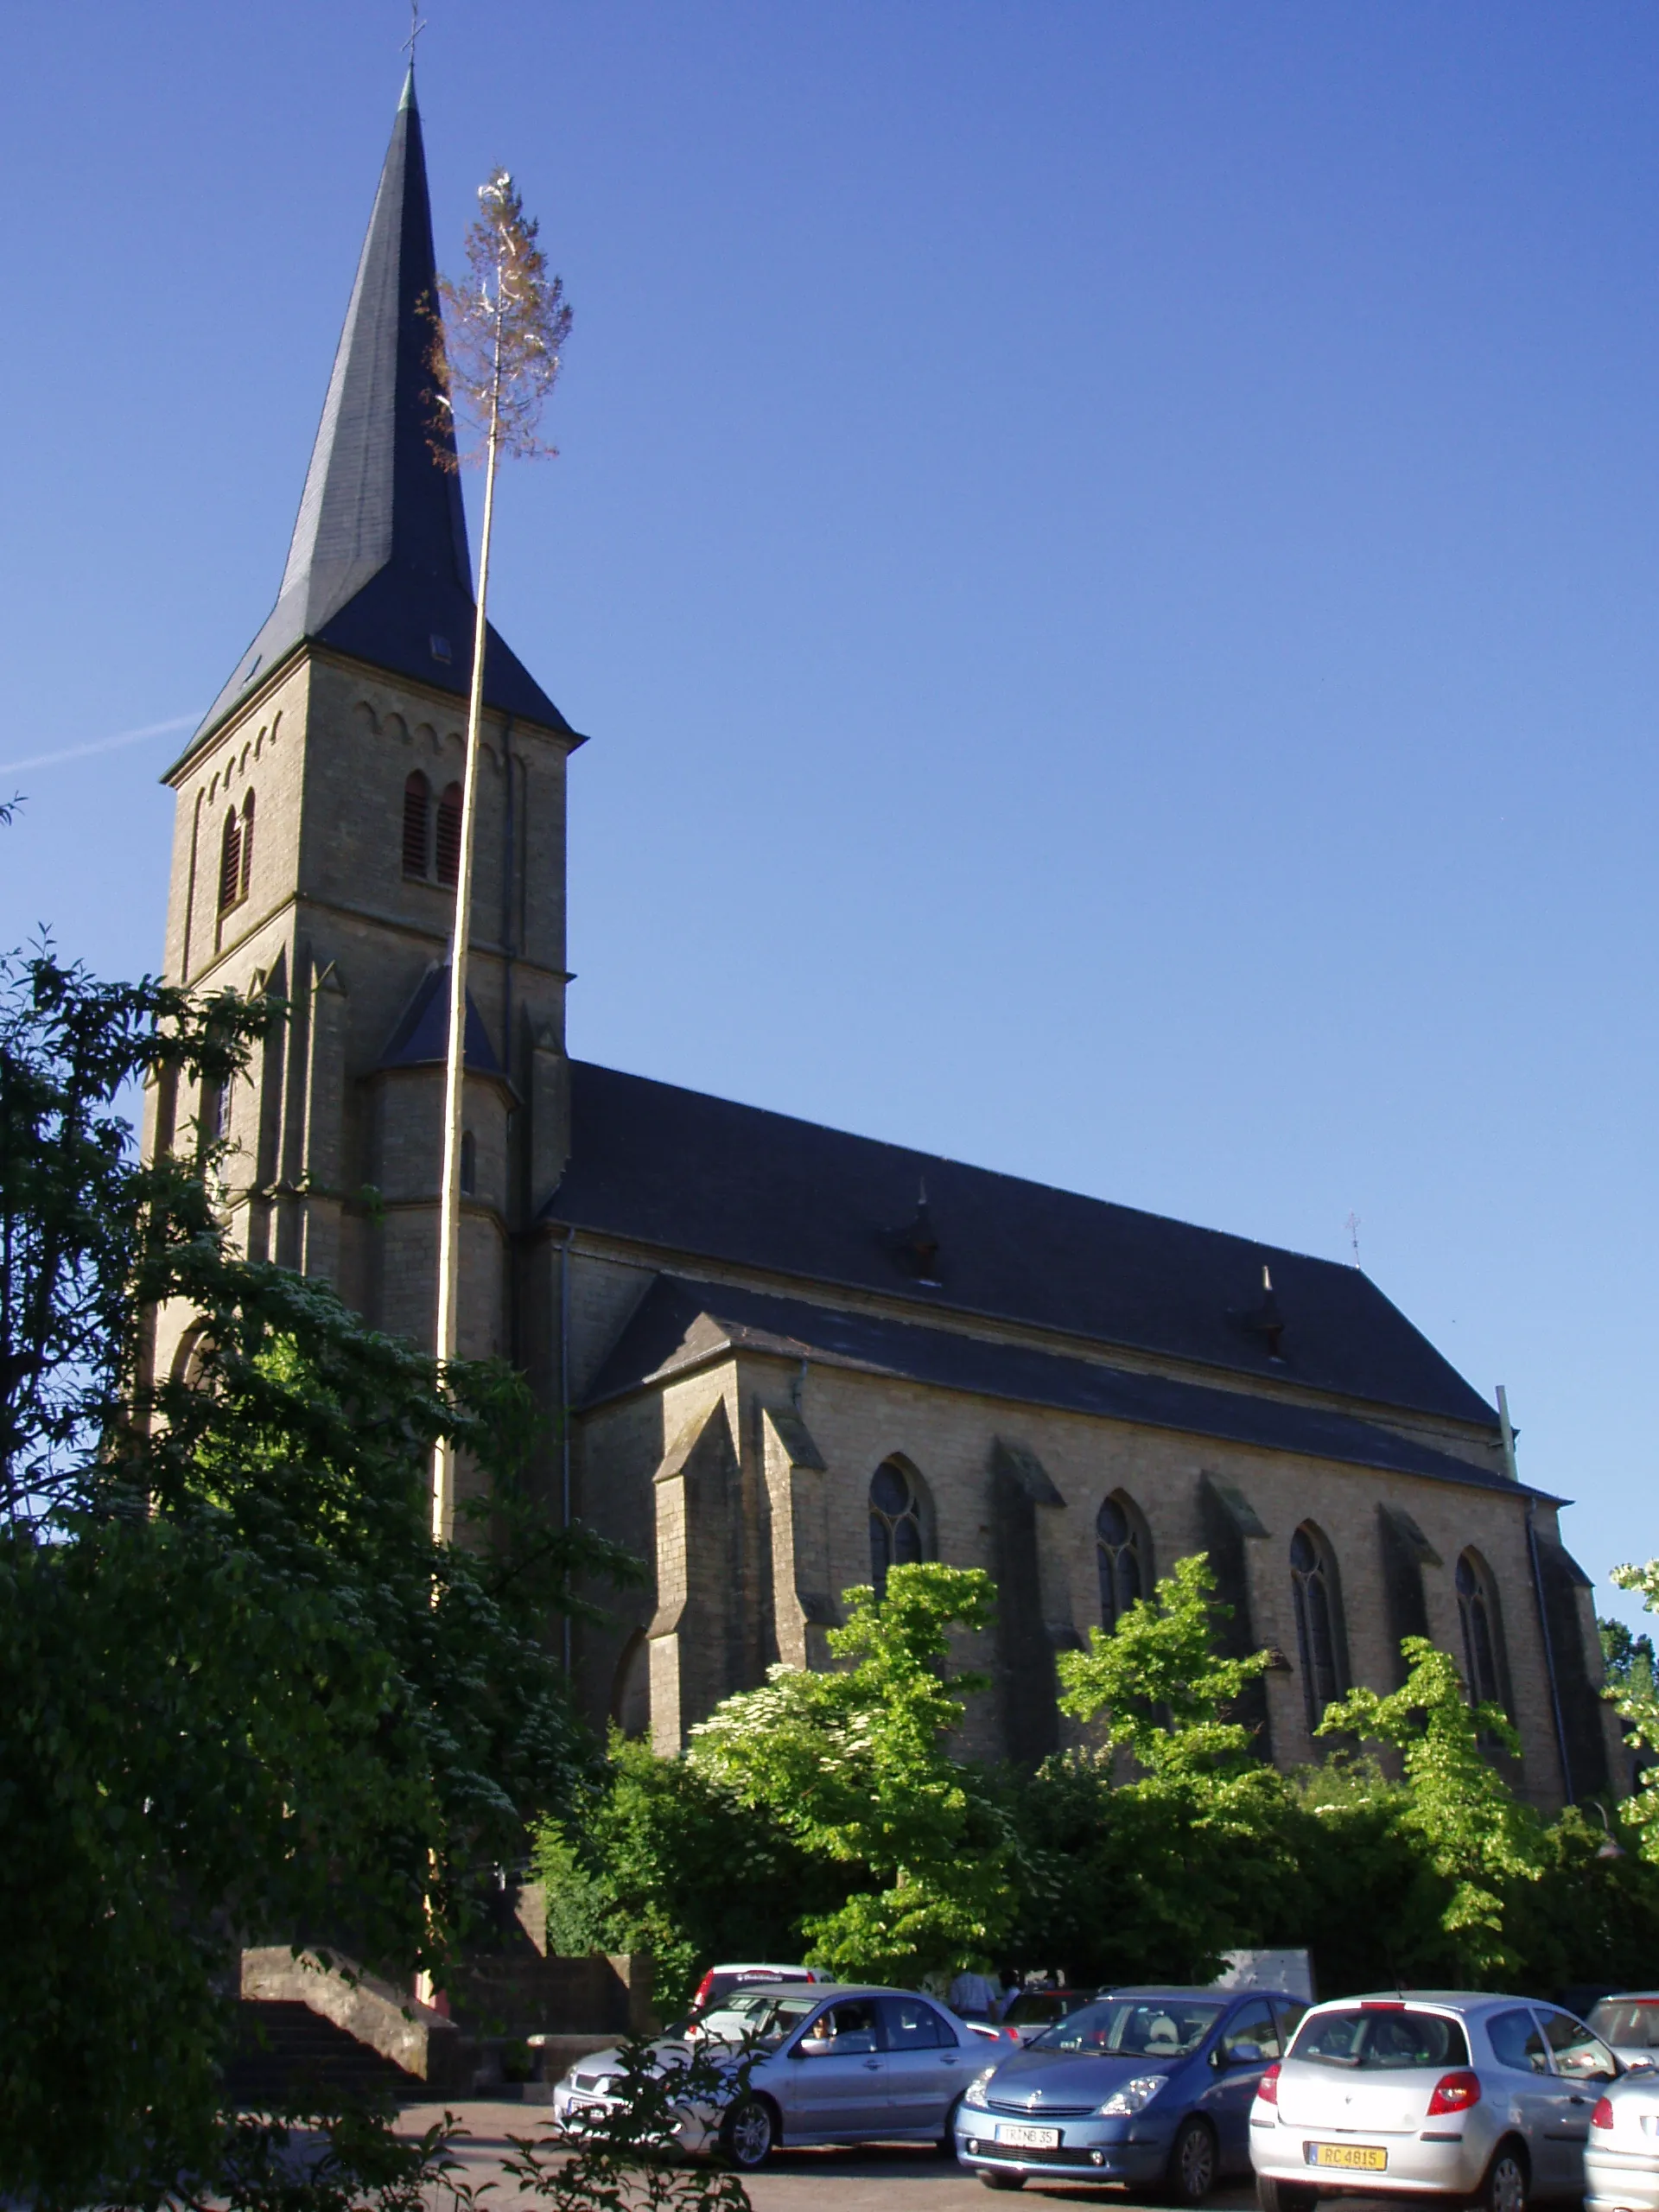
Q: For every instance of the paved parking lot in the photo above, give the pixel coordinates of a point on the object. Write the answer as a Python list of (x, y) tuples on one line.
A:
[(898, 2180)]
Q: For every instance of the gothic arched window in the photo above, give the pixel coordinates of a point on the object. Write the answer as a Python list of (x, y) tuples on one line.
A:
[(448, 841), (417, 826), (1123, 1555), (229, 862), (897, 1521), (1482, 1634), (247, 845), (468, 1161), (1318, 1621)]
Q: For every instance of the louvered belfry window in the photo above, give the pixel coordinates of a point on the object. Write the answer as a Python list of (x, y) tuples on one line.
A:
[(247, 845), (448, 841), (229, 862), (417, 826)]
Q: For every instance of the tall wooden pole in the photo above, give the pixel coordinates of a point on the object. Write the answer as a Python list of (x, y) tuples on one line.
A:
[(455, 1066)]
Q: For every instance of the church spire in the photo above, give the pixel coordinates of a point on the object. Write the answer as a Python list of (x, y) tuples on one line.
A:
[(378, 565)]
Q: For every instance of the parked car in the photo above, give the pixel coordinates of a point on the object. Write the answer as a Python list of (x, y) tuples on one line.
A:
[(720, 1982), (1630, 2023), (826, 2065), (1484, 2098), (1033, 2009), (1621, 2159), (1150, 2087)]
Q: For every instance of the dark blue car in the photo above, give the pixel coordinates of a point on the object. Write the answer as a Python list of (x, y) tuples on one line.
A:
[(1150, 2087)]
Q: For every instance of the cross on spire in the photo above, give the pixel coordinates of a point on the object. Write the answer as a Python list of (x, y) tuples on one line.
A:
[(416, 25)]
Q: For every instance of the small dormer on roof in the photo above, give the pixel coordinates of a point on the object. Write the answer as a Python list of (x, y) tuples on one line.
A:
[(1266, 1319), (917, 1245), (378, 565)]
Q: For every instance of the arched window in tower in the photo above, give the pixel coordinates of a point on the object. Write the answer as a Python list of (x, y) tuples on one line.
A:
[(1123, 1556), (1482, 1634), (448, 841), (417, 826), (897, 1521), (247, 845), (229, 862), (1318, 1621), (468, 1162)]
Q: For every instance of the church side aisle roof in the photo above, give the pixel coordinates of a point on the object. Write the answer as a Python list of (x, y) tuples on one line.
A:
[(706, 1180), (682, 1322), (378, 565)]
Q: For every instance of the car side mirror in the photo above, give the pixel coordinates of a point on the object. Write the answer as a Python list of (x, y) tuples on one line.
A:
[(795, 2052), (1245, 2054)]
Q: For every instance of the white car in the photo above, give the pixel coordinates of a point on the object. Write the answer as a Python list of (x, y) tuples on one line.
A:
[(1621, 2160), (1434, 2092)]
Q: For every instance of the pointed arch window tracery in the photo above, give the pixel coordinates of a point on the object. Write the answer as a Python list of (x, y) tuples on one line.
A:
[(1477, 1615), (1122, 1554), (899, 1519), (1317, 1604)]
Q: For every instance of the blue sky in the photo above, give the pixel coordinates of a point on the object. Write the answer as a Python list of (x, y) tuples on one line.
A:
[(1110, 553)]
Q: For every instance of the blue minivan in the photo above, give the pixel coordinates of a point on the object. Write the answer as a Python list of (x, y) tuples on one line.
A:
[(1148, 2087)]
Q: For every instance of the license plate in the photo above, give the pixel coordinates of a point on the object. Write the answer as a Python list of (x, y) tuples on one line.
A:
[(1030, 2138), (1367, 2157)]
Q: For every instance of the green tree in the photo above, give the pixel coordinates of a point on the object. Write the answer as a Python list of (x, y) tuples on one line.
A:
[(1190, 1839), (1477, 1840), (666, 1857), (1634, 1697), (1157, 1687), (1629, 1659), (852, 1765), (247, 1697)]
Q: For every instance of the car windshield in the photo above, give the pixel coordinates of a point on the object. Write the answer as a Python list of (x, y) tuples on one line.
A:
[(732, 2018), (771, 2019), (1370, 2038), (1038, 2005), (1133, 2027), (1631, 2023)]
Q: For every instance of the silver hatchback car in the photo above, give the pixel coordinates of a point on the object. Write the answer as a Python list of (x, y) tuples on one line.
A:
[(1441, 2093), (826, 2064)]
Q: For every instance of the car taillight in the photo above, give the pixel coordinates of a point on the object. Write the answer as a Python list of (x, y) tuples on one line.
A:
[(1267, 2088), (1603, 2114), (703, 1988), (1455, 2092)]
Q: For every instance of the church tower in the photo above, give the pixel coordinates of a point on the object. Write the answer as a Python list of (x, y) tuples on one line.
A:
[(316, 838)]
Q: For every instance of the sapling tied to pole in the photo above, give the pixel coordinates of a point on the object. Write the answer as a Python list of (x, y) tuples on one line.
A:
[(495, 358)]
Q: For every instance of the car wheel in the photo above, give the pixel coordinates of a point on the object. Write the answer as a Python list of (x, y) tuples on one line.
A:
[(1506, 2185), (1191, 2171), (993, 2180), (1284, 2196), (747, 2133)]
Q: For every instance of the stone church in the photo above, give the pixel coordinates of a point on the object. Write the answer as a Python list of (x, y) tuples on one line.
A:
[(779, 1358)]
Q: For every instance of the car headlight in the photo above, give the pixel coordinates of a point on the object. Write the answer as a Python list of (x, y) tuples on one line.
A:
[(974, 2093), (1130, 2097)]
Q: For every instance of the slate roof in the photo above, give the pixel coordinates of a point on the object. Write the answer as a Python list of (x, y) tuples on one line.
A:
[(682, 1322), (378, 565), (423, 1033), (704, 1179)]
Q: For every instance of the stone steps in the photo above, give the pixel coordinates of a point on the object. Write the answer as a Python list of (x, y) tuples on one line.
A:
[(291, 2055)]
